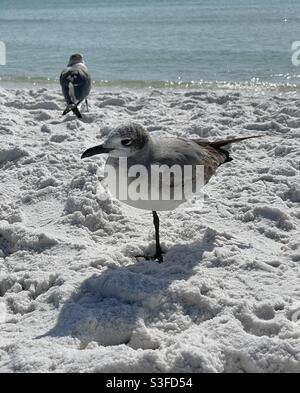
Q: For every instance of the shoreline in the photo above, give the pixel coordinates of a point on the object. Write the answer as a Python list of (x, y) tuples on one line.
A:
[(245, 87)]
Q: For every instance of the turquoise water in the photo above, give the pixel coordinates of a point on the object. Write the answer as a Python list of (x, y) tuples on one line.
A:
[(154, 42)]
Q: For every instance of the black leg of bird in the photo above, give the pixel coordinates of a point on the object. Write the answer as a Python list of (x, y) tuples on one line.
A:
[(158, 253)]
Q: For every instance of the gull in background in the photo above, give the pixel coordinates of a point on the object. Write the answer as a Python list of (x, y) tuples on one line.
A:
[(134, 142), (75, 82)]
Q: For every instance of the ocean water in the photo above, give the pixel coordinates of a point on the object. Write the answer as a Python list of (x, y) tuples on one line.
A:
[(186, 43)]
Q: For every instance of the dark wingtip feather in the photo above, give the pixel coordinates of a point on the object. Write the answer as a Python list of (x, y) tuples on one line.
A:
[(224, 142), (227, 155)]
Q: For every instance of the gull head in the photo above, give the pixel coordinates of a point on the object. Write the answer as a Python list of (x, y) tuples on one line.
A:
[(75, 59), (122, 141)]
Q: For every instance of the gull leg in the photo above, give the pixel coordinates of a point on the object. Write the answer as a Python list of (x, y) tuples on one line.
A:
[(76, 112), (158, 256), (87, 105), (158, 253)]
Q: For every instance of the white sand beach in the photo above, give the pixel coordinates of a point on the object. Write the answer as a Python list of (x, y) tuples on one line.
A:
[(73, 297)]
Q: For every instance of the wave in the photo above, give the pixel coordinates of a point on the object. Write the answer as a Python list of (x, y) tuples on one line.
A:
[(253, 85)]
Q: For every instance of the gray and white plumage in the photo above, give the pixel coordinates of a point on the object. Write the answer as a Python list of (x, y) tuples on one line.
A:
[(76, 83), (141, 148)]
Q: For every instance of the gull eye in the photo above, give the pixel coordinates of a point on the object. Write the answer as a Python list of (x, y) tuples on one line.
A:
[(126, 142)]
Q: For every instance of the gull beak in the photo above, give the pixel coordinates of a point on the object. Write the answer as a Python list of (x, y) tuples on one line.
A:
[(95, 150)]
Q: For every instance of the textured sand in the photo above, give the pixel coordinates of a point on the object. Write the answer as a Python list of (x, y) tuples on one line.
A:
[(73, 297)]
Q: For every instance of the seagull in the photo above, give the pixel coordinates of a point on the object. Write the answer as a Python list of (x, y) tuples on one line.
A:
[(135, 144), (75, 82)]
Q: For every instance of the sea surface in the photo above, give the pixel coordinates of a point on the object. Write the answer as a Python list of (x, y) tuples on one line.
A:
[(157, 43)]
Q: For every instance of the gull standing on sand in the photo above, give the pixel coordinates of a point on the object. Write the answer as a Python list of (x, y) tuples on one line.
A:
[(75, 82), (134, 143)]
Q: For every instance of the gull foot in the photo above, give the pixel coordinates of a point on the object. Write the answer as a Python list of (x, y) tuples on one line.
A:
[(158, 257)]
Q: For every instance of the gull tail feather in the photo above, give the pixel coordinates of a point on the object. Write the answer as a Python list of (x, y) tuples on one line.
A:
[(224, 142), (218, 145)]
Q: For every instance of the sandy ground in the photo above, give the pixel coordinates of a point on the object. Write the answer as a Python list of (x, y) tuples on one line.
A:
[(72, 295)]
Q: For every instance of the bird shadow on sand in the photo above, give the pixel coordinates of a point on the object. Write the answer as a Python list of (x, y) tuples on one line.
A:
[(116, 306)]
